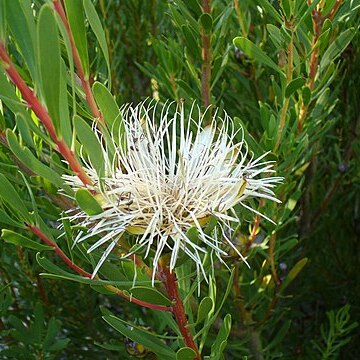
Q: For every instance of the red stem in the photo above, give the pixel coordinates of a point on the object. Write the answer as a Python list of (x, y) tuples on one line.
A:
[(43, 115), (206, 59), (38, 232), (178, 309), (84, 79)]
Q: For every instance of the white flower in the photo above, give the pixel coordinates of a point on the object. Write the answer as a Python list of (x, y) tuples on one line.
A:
[(172, 175)]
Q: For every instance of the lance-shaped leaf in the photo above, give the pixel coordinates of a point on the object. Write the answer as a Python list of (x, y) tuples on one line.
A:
[(75, 14), (12, 198), (141, 336), (49, 58), (254, 52), (90, 143), (12, 237), (98, 30)]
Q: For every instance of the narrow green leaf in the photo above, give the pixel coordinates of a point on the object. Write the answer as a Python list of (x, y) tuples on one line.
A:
[(285, 5), (293, 273), (269, 9), (6, 219), (2, 20), (306, 14), (275, 35), (87, 202), (107, 103), (65, 123), (254, 52), (75, 14), (150, 294), (90, 143), (185, 353), (220, 343), (141, 336), (204, 309), (337, 47), (293, 86), (306, 95), (23, 32), (98, 30), (12, 198), (206, 22), (31, 162), (24, 129), (49, 58), (12, 237)]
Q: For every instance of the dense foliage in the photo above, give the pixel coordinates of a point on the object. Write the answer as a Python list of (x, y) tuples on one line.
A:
[(287, 71)]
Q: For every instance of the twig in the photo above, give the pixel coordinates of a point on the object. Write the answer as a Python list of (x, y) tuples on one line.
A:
[(83, 77), (240, 18), (289, 76), (206, 59), (178, 308), (317, 21), (38, 232), (43, 116)]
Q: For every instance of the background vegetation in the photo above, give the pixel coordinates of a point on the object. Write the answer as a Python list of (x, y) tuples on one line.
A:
[(289, 72)]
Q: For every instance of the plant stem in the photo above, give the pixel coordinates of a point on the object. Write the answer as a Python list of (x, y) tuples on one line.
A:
[(289, 76), (38, 232), (240, 18), (206, 58), (84, 78), (255, 345), (43, 115), (317, 21), (178, 308)]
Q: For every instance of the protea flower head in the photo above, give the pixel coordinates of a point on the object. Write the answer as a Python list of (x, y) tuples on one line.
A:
[(173, 174)]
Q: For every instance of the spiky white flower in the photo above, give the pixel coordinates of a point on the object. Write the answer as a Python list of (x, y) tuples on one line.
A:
[(173, 174)]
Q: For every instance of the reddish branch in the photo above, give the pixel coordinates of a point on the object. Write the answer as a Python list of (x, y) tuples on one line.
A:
[(206, 59), (43, 116), (317, 21), (38, 232), (84, 78), (178, 308)]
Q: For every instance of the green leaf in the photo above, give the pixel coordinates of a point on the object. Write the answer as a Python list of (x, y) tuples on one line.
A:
[(147, 339), (306, 95), (293, 273), (49, 58), (337, 47), (98, 30), (206, 22), (87, 202), (90, 143), (24, 129), (23, 31), (306, 14), (205, 309), (254, 52), (285, 5), (107, 103), (220, 343), (6, 219), (75, 14), (12, 237), (150, 294), (65, 123), (31, 162), (2, 20), (293, 86), (55, 272), (266, 4), (12, 198), (185, 353), (275, 35)]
